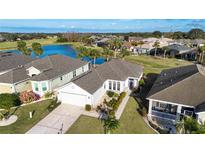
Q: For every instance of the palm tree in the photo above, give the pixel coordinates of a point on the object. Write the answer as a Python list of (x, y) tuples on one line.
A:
[(94, 54), (110, 124), (201, 51), (115, 45), (36, 47), (156, 45), (21, 46), (107, 53), (124, 53), (165, 48)]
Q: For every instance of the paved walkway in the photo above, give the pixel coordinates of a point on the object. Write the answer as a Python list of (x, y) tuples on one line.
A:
[(58, 121), (122, 105)]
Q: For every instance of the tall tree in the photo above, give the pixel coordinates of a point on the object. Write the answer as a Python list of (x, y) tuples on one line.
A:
[(201, 51), (21, 46), (37, 48), (196, 34), (107, 54), (156, 45), (165, 48), (157, 34), (124, 53), (115, 45), (94, 54)]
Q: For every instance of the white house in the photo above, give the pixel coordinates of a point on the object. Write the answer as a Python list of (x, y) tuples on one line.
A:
[(116, 75), (177, 93)]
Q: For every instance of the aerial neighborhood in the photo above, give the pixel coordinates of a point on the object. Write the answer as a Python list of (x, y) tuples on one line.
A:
[(102, 83)]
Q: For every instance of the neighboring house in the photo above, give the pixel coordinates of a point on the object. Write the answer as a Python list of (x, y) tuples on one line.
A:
[(13, 76), (181, 51), (135, 39), (116, 75), (54, 71), (178, 92)]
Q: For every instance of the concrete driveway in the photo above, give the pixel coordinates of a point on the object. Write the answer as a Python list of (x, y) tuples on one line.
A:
[(58, 121)]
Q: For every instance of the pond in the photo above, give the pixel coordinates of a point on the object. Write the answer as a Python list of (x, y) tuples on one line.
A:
[(66, 50)]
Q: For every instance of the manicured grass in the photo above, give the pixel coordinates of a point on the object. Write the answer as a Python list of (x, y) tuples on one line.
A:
[(13, 45), (24, 123), (156, 65), (131, 122)]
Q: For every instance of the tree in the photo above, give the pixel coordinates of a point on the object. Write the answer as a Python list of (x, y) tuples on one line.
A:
[(165, 48), (157, 34), (178, 35), (7, 101), (124, 53), (189, 125), (107, 54), (94, 54), (156, 45), (21, 46), (36, 47), (83, 52), (201, 51), (110, 124), (115, 45), (196, 34)]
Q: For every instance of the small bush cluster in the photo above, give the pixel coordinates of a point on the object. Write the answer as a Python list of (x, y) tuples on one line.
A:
[(159, 129), (110, 93), (54, 103), (113, 104), (88, 107), (142, 82), (48, 94), (28, 96)]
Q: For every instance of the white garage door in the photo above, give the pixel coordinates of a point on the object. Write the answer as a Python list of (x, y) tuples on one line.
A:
[(74, 99)]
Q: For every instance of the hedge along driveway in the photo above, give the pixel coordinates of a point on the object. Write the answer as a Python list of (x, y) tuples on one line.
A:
[(24, 123)]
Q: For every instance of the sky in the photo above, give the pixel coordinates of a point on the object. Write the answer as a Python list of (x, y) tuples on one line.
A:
[(99, 25)]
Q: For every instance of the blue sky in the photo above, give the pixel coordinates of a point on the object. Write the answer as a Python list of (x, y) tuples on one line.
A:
[(101, 25)]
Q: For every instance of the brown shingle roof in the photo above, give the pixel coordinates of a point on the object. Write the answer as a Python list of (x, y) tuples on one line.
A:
[(114, 70)]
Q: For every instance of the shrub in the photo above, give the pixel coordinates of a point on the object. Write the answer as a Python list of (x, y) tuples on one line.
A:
[(142, 82), (54, 103), (48, 94), (28, 96), (7, 101), (122, 94), (142, 111), (87, 107), (116, 95), (61, 39), (110, 93)]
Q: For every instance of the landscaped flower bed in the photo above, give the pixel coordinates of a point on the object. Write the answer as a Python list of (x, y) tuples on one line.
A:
[(28, 97)]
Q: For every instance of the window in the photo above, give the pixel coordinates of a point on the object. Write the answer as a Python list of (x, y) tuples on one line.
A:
[(110, 85), (61, 78), (188, 113), (104, 86), (74, 73), (36, 86), (114, 85), (44, 87), (118, 86)]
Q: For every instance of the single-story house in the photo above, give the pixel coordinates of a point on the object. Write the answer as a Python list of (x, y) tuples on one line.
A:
[(181, 51), (13, 77), (178, 92), (115, 75), (54, 71)]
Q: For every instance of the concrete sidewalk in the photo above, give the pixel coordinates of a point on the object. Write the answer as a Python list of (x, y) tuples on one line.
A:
[(58, 121)]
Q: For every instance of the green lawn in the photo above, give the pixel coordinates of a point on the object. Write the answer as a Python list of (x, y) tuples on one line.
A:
[(13, 45), (131, 122), (24, 123), (156, 65)]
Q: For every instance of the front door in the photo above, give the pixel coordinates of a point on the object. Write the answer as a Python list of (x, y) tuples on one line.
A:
[(131, 84)]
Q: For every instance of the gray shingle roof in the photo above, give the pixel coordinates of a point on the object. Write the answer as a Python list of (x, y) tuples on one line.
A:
[(114, 70), (183, 85), (11, 60), (54, 66), (14, 76)]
